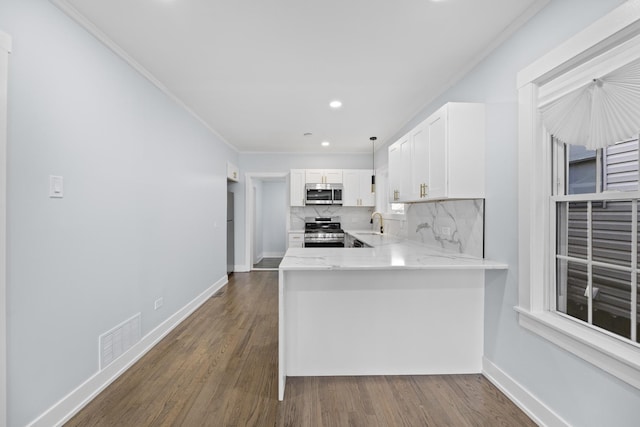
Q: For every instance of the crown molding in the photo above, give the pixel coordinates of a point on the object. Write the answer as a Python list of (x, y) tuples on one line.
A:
[(85, 23)]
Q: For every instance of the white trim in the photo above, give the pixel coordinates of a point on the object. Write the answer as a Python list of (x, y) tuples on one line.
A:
[(606, 351), (241, 268), (72, 403), (611, 30), (536, 232), (535, 409), (5, 46), (85, 23), (582, 75), (596, 197)]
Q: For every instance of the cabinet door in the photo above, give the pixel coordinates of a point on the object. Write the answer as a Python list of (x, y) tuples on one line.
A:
[(367, 198), (351, 190), (405, 169), (419, 162), (296, 240), (333, 176), (437, 134), (395, 171), (296, 181), (314, 176)]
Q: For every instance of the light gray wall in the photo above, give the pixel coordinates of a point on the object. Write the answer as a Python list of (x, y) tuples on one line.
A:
[(579, 392), (283, 163), (274, 213), (143, 214)]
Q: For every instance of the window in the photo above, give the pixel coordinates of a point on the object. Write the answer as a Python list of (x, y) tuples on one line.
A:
[(578, 209), (596, 253)]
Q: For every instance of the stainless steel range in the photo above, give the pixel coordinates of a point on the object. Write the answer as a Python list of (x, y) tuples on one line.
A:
[(323, 232)]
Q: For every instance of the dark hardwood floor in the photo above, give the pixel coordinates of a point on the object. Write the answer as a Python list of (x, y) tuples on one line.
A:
[(219, 367)]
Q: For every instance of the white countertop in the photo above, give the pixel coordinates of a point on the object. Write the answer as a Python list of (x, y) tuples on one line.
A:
[(387, 252)]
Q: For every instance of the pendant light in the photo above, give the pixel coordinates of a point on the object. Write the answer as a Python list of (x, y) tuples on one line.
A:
[(373, 164)]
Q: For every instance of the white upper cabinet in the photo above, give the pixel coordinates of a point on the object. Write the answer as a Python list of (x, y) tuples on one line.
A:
[(296, 184), (408, 166), (436, 173), (457, 152), (395, 171), (406, 174), (233, 173), (323, 176), (441, 158), (357, 188), (419, 164)]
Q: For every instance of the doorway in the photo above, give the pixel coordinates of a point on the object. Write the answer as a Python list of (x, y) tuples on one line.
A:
[(267, 196)]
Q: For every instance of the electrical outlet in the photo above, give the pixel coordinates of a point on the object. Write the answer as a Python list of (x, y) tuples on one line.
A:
[(157, 304)]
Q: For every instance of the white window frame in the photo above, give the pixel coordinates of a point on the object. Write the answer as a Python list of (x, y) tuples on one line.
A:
[(607, 43)]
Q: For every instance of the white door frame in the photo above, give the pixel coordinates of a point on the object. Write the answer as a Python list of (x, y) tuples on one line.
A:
[(5, 49), (249, 210)]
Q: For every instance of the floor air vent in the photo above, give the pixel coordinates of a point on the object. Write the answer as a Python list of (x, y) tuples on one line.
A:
[(115, 342)]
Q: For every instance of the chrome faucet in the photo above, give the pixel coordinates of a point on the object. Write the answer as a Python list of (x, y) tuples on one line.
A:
[(381, 220)]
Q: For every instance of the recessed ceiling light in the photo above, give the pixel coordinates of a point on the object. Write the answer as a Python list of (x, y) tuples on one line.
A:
[(325, 143), (335, 104)]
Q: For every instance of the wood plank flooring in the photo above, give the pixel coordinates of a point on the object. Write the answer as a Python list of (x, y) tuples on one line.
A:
[(219, 367)]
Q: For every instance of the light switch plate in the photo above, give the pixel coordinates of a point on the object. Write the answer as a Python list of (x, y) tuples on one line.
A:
[(56, 186)]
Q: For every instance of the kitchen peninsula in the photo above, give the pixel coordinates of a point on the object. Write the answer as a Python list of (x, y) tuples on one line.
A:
[(396, 308)]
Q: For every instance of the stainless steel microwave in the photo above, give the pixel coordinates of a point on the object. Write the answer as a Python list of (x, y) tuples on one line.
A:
[(323, 194)]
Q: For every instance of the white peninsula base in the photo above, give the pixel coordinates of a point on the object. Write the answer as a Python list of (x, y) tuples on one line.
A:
[(380, 322)]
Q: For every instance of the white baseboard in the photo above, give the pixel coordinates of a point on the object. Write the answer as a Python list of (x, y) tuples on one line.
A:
[(241, 268), (540, 413), (72, 403)]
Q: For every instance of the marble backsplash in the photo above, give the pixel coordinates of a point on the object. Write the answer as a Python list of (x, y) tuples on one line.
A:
[(455, 225), (352, 218)]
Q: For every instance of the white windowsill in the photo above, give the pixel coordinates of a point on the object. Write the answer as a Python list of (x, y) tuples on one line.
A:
[(619, 358)]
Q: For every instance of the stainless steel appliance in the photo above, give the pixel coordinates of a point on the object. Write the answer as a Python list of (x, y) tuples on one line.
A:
[(230, 232), (323, 194), (323, 232)]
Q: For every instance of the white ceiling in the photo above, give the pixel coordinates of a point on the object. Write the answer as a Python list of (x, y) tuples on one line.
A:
[(262, 73)]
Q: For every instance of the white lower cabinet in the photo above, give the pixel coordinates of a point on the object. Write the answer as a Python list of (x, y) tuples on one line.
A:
[(296, 239), (357, 188)]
